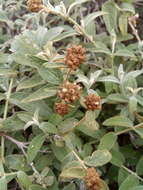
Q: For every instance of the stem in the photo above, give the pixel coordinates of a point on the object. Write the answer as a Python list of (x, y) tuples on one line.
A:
[(78, 158), (133, 173), (136, 35), (112, 64), (4, 117), (130, 129), (7, 99), (78, 123), (21, 145), (67, 75), (78, 28)]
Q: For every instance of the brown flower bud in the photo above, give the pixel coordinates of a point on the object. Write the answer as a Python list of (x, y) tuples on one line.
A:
[(75, 56), (34, 5), (62, 108), (69, 92), (93, 102), (92, 180)]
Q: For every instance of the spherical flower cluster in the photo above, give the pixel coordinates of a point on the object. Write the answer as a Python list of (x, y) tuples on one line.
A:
[(61, 108), (92, 180), (34, 5), (69, 92), (75, 56), (93, 102)]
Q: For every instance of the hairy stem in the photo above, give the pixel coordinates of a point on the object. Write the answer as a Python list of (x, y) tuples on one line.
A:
[(133, 173), (5, 116), (130, 129), (78, 158)]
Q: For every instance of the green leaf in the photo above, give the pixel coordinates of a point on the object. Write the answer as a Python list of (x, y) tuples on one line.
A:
[(129, 182), (34, 147), (3, 183), (30, 83), (54, 33), (123, 23), (49, 75), (66, 34), (77, 2), (111, 18), (2, 96), (16, 162), (107, 141), (100, 48), (117, 98), (118, 121), (70, 187), (12, 123), (90, 121), (48, 127), (90, 17), (108, 79), (7, 72), (105, 186), (124, 52), (59, 152), (123, 174), (132, 105), (140, 187), (139, 166), (128, 7), (40, 94), (23, 180), (36, 187), (67, 125), (117, 158), (75, 172), (98, 158), (44, 110)]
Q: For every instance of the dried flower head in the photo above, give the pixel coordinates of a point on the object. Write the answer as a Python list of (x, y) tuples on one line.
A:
[(34, 5), (75, 56), (62, 108), (69, 92), (93, 102), (92, 180)]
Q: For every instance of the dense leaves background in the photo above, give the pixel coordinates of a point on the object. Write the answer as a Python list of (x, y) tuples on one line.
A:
[(42, 150)]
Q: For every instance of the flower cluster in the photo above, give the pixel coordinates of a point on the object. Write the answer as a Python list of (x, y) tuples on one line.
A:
[(75, 56), (34, 5), (61, 108), (69, 92), (93, 180), (93, 102)]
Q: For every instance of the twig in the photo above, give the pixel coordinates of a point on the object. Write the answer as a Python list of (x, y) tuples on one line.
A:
[(78, 28), (130, 129), (78, 158), (5, 116), (133, 173), (135, 31), (21, 145)]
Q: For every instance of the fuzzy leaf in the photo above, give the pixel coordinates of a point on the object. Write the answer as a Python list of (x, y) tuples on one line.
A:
[(98, 158), (107, 141), (34, 147), (118, 121)]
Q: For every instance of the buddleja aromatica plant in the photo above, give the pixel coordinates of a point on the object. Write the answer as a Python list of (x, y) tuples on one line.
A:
[(71, 82)]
